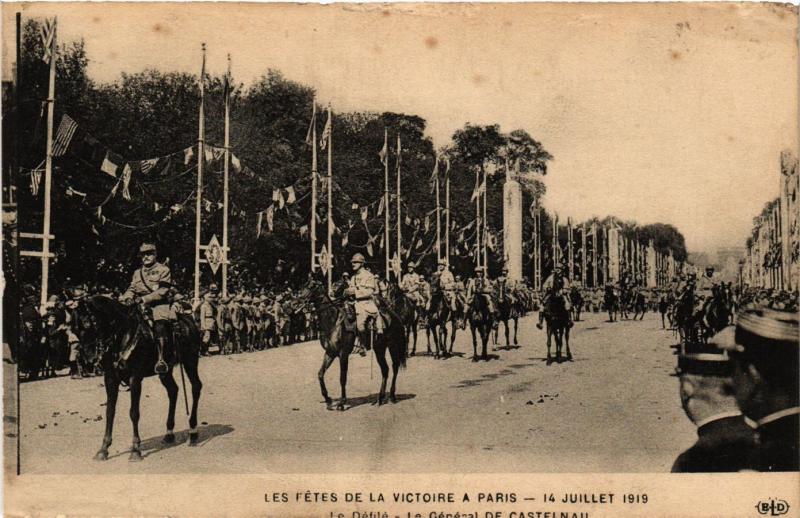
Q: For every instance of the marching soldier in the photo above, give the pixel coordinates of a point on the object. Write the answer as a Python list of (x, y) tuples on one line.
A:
[(208, 321), (150, 288), (363, 288), (725, 442), (764, 349)]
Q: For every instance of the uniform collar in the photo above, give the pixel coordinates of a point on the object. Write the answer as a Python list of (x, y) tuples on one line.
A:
[(717, 417), (778, 415)]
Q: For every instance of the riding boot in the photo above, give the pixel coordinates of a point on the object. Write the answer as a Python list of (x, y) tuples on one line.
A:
[(541, 318), (161, 365), (73, 370)]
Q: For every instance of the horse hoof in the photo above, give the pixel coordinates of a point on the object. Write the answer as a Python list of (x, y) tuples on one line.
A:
[(549, 360), (328, 401), (393, 399), (135, 456), (340, 407), (193, 439), (475, 359), (101, 455), (168, 438)]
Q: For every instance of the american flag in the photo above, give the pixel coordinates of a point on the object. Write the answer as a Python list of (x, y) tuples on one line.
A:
[(36, 178), (66, 129)]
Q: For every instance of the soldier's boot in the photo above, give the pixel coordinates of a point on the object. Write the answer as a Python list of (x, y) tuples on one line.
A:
[(161, 365), (73, 370)]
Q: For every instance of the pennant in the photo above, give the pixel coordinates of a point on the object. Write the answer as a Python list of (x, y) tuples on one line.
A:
[(381, 243), (310, 132), (435, 175), (354, 206), (236, 163), (399, 152), (419, 243), (109, 166), (396, 264), (126, 181), (447, 166), (207, 205), (290, 195), (176, 208), (345, 239), (188, 155), (47, 33), (369, 248), (304, 231), (148, 165), (364, 213), (73, 192), (66, 129), (326, 133), (479, 189), (280, 199), (381, 205), (36, 180), (95, 231), (384, 152), (408, 221), (156, 207), (275, 194), (427, 223), (113, 192), (270, 216)]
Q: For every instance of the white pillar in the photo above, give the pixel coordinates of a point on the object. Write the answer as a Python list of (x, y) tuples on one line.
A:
[(512, 228)]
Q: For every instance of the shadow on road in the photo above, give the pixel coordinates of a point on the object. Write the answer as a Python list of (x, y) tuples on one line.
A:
[(155, 444), (373, 399)]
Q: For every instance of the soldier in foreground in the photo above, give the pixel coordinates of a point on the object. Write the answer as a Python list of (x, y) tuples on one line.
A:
[(764, 350), (725, 442)]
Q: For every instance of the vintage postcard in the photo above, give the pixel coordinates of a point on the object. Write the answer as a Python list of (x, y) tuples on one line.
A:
[(490, 260)]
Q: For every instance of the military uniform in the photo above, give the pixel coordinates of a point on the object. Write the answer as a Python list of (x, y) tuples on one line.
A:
[(725, 444), (208, 320), (364, 286), (447, 284), (481, 286), (411, 287)]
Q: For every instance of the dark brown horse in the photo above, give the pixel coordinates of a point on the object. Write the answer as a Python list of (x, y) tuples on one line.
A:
[(508, 310), (439, 315), (338, 332), (557, 317), (106, 322), (481, 321)]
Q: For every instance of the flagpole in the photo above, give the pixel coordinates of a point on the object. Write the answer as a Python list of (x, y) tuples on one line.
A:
[(399, 216), (485, 225), (447, 214), (594, 255), (386, 206), (478, 218), (200, 161), (556, 245), (438, 223), (584, 276), (313, 224), (48, 172), (330, 203), (570, 250), (225, 180)]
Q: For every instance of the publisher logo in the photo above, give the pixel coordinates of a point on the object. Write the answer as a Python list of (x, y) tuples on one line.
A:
[(772, 507)]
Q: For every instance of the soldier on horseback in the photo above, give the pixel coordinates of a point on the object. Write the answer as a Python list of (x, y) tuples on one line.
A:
[(481, 286), (150, 288), (410, 285), (363, 287), (445, 282), (555, 285)]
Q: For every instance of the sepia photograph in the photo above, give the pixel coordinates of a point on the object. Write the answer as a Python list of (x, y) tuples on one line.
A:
[(364, 254)]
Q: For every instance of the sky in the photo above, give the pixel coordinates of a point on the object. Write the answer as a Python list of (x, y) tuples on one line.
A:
[(655, 113)]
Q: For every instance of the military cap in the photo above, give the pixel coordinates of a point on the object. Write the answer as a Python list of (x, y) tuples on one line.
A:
[(478, 269), (411, 265), (357, 258), (147, 247), (706, 359), (442, 262), (762, 330)]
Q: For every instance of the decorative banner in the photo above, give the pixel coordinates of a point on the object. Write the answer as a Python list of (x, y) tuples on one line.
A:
[(188, 155), (259, 219), (270, 212), (126, 181), (290, 196), (323, 260), (110, 164), (214, 254)]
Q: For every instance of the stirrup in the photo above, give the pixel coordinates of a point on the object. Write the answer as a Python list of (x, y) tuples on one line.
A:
[(161, 367)]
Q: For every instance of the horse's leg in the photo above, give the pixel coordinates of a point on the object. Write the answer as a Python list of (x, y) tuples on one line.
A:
[(190, 366), (112, 391), (559, 343), (485, 339), (454, 328), (343, 359), (397, 361), (136, 395), (566, 339), (474, 342), (428, 336), (172, 394), (549, 339), (326, 362), (380, 355), (516, 325), (506, 330)]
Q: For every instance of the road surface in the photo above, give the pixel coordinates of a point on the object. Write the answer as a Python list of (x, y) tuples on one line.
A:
[(614, 408)]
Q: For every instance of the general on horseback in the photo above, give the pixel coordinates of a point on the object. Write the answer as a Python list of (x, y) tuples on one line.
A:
[(481, 312), (555, 311)]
